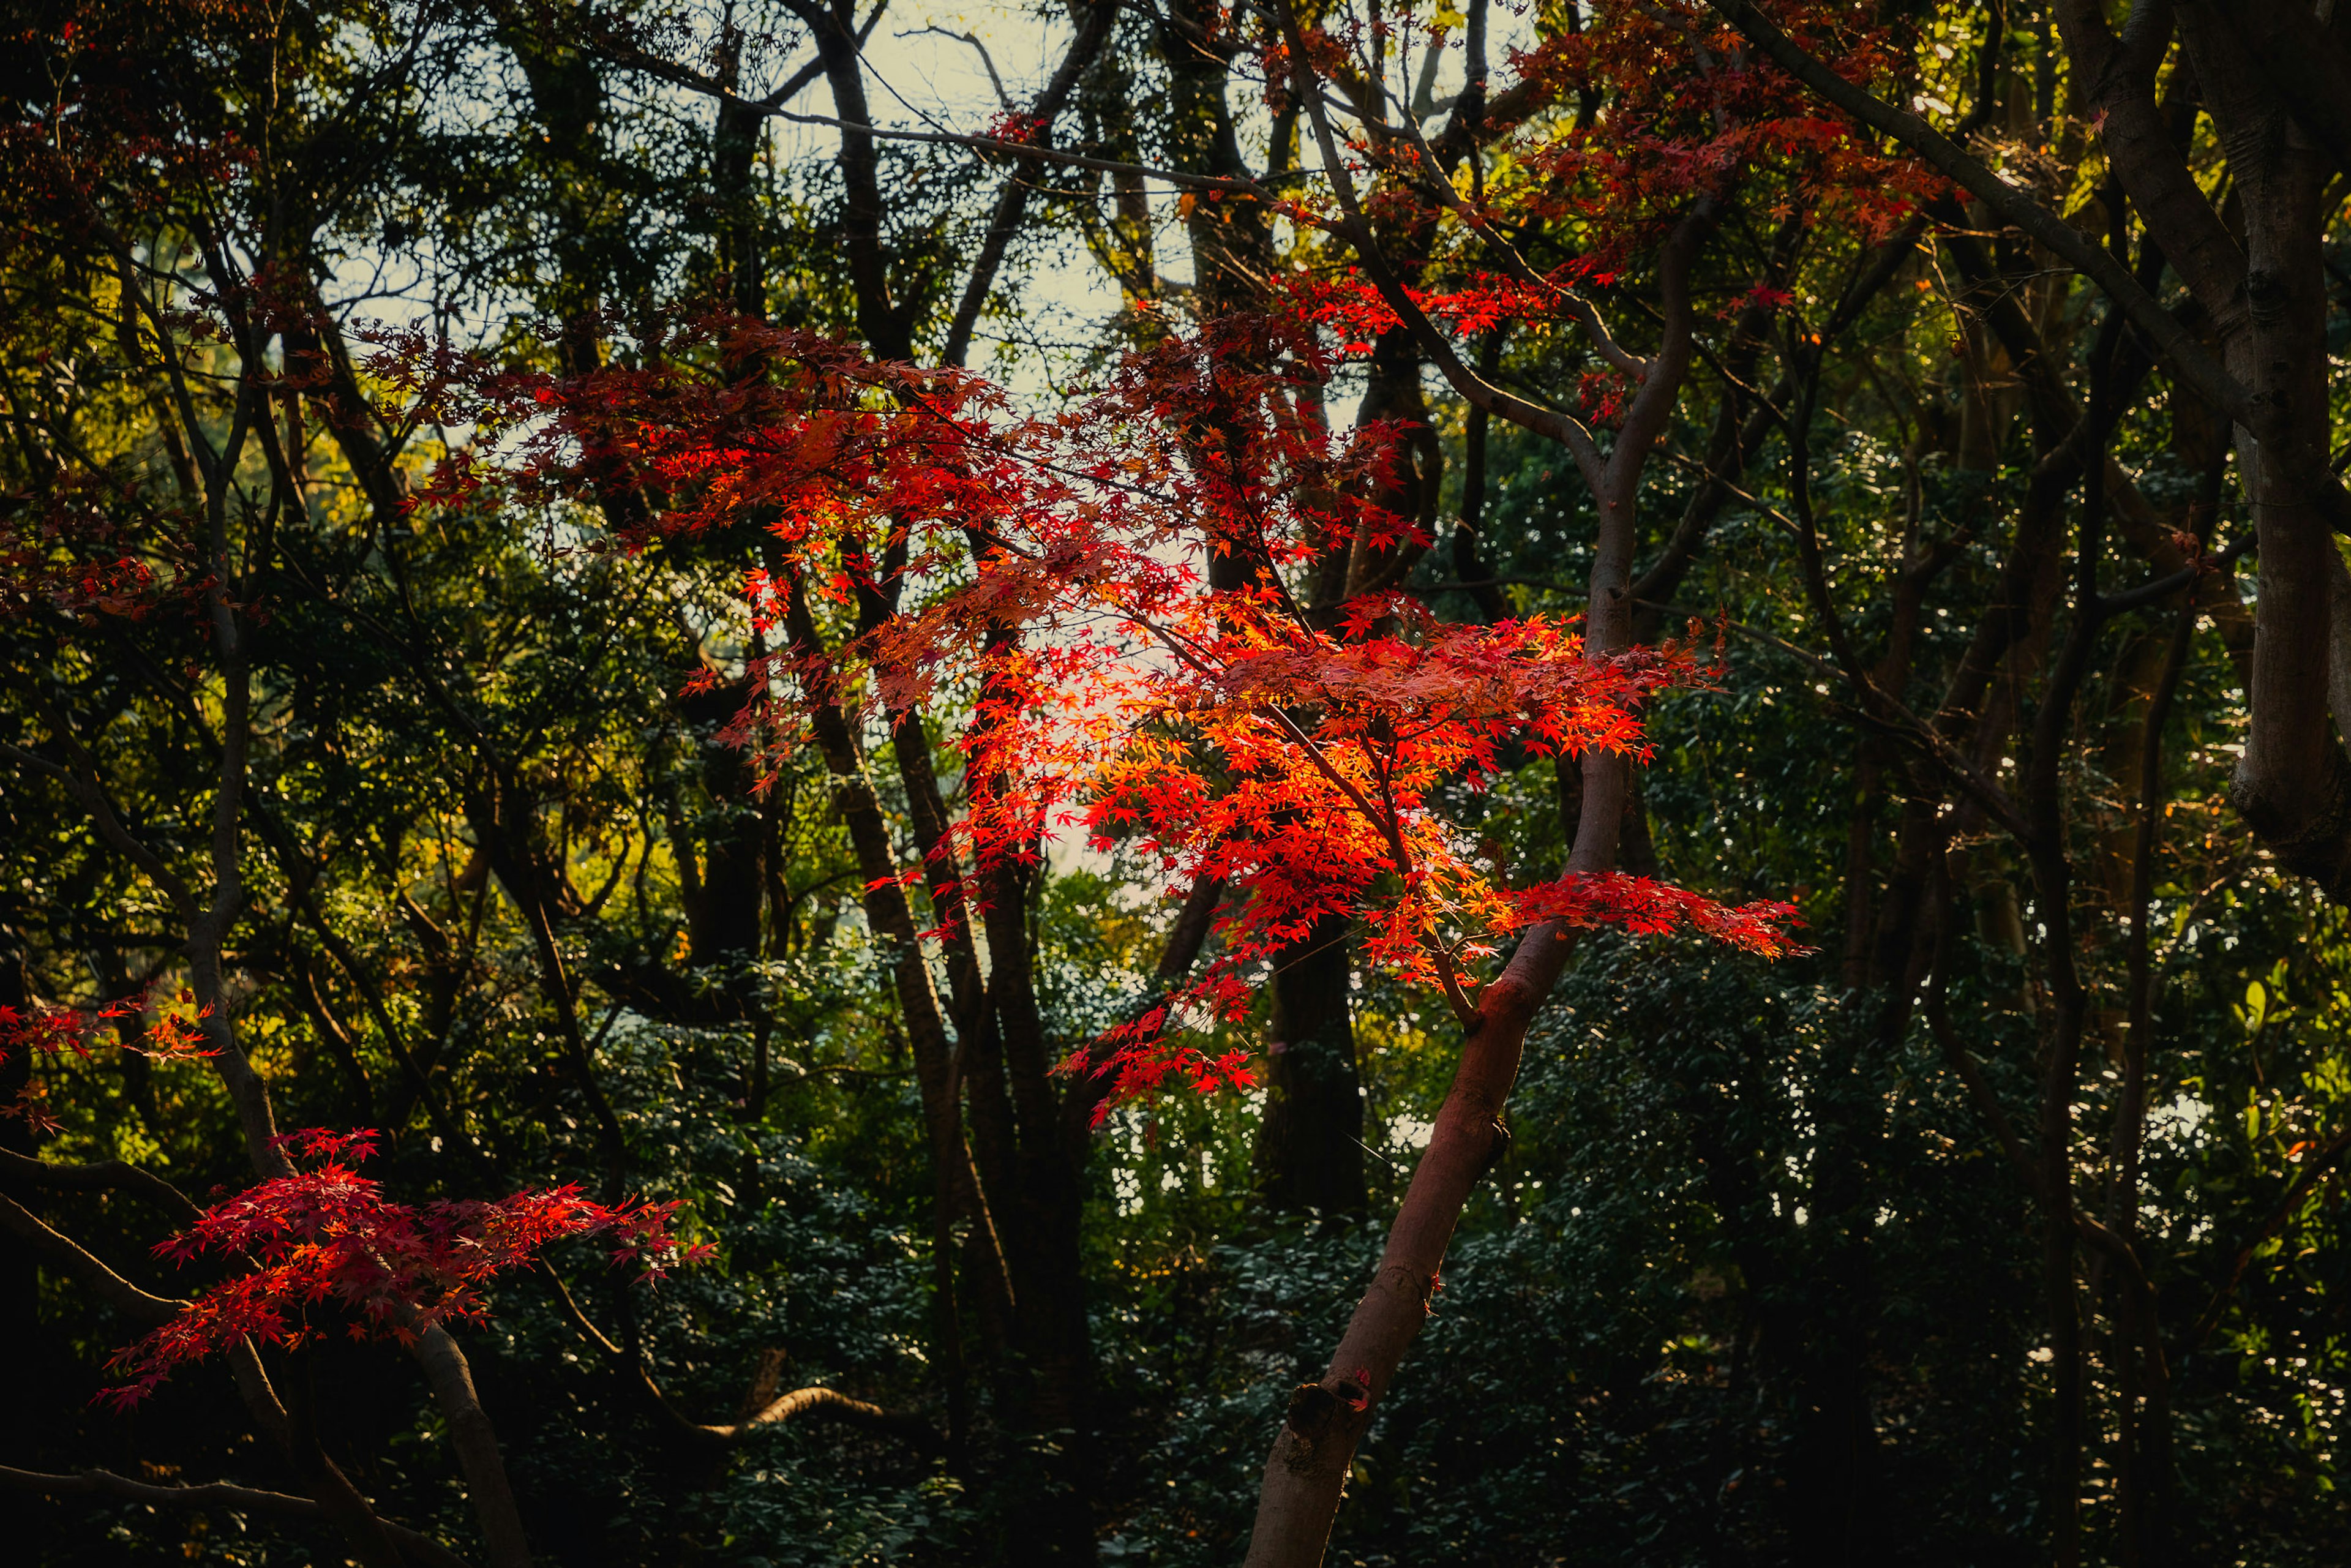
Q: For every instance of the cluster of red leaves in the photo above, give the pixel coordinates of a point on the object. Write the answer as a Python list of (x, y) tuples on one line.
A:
[(1647, 908), (1686, 109), (88, 547), (1759, 296), (40, 1031), (722, 423), (325, 1237), (1142, 1061), (1611, 131), (1299, 765), (171, 1036), (1311, 772), (1012, 125), (78, 589), (1350, 307)]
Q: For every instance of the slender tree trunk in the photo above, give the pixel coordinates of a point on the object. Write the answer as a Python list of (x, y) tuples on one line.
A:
[(1309, 1143)]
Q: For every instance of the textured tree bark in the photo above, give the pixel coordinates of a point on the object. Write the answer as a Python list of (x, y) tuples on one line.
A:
[(1231, 242), (881, 321), (2304, 56), (1325, 1420)]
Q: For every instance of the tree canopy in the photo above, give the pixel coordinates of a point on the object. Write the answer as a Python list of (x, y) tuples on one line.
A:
[(794, 783)]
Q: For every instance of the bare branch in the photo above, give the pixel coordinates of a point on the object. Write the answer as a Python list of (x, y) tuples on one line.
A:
[(139, 1306), (214, 1494), (106, 1174), (986, 59)]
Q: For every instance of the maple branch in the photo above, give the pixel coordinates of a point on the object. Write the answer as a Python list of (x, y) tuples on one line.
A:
[(101, 1176), (1661, 377), (987, 60), (1428, 172), (338, 1503), (1190, 933), (1013, 199), (1016, 187), (142, 1307), (1387, 827), (580, 1318), (1185, 939), (206, 922), (1448, 979), (1576, 305), (620, 52), (215, 1494), (771, 107), (1745, 437), (260, 1395), (450, 1378), (1465, 1012), (2188, 356)]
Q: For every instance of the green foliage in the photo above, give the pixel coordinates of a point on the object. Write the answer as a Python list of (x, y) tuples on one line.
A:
[(485, 817)]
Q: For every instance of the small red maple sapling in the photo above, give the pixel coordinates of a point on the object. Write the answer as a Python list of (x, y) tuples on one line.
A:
[(325, 1237)]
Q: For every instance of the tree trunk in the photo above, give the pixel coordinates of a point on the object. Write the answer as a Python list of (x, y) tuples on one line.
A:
[(1309, 1143)]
